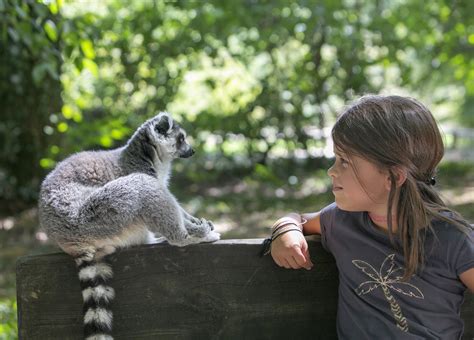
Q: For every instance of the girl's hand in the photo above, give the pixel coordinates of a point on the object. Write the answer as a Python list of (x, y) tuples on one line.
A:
[(290, 250)]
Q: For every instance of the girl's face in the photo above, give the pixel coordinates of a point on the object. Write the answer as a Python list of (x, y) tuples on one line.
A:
[(359, 185)]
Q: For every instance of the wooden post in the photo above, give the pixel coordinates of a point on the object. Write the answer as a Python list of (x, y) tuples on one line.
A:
[(222, 290)]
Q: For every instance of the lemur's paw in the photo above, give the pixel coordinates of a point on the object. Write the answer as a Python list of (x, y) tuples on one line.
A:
[(196, 220), (212, 236), (211, 224), (208, 224)]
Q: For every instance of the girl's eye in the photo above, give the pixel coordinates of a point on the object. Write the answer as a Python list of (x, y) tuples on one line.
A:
[(344, 162)]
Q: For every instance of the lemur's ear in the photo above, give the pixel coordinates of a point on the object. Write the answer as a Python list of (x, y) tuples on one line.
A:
[(163, 125)]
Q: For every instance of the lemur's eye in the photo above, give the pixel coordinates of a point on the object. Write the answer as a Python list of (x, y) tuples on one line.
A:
[(181, 139)]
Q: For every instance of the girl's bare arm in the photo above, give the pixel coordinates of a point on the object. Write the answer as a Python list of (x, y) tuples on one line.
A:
[(290, 250)]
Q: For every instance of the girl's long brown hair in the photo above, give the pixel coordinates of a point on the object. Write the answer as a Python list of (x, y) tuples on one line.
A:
[(394, 131)]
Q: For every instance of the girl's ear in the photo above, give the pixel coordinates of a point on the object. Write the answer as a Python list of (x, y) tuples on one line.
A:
[(400, 175)]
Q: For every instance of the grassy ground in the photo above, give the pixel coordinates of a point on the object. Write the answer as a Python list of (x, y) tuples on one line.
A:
[(241, 207)]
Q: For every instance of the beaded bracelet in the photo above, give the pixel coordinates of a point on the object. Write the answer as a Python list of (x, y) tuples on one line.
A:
[(280, 227)]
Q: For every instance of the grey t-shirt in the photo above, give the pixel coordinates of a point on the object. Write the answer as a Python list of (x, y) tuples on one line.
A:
[(373, 302)]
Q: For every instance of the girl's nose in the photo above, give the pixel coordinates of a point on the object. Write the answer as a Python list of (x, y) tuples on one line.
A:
[(331, 171)]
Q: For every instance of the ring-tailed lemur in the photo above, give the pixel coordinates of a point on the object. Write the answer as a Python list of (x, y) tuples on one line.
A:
[(96, 201)]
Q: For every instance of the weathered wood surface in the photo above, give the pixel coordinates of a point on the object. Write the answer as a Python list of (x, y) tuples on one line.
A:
[(222, 290)]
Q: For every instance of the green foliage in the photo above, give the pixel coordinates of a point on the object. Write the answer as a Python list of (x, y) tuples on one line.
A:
[(251, 83), (249, 80), (8, 319), (29, 92), (453, 172)]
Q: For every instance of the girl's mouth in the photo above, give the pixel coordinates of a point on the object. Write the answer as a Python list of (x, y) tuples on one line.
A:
[(336, 188)]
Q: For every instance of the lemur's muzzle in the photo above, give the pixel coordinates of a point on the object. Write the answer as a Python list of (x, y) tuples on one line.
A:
[(188, 153)]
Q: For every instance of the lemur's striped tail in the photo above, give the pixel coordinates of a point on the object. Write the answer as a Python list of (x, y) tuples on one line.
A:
[(97, 297)]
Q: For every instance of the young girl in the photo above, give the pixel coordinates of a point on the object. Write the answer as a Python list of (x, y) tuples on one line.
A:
[(404, 258)]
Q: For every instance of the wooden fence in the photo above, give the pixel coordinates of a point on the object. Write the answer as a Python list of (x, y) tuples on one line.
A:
[(222, 290)]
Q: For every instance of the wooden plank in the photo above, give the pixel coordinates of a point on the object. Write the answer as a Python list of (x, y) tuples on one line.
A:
[(222, 290)]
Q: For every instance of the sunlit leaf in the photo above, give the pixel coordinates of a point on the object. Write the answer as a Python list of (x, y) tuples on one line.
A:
[(106, 141), (55, 6), (116, 134), (91, 66), (67, 111), (63, 127), (88, 49), (47, 163), (51, 30), (54, 149), (471, 38)]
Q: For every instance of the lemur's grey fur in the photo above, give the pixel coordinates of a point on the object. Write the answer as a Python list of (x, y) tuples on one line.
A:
[(95, 202)]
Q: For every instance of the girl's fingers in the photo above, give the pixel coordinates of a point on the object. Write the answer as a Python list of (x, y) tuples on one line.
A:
[(293, 263), (287, 263), (300, 258), (305, 251)]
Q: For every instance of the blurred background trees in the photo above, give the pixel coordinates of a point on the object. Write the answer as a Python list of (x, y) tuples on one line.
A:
[(30, 92), (253, 81), (257, 84)]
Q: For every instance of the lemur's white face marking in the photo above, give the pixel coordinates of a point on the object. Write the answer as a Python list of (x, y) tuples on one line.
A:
[(168, 137)]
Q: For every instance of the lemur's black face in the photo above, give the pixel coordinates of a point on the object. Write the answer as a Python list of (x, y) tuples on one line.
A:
[(168, 137)]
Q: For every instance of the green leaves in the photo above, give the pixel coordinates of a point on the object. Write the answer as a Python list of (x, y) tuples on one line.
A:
[(88, 49), (221, 86), (30, 91), (8, 318), (91, 66), (247, 83), (51, 30), (213, 64)]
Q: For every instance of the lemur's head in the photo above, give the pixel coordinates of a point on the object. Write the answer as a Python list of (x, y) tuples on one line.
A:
[(167, 137)]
